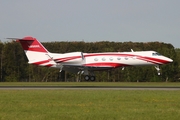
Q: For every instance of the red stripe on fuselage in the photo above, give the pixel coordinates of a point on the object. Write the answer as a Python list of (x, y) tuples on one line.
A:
[(105, 64), (40, 62), (154, 60), (148, 59), (48, 65), (108, 54), (59, 60)]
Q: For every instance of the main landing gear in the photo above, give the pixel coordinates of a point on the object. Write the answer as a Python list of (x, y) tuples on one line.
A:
[(87, 78), (88, 75)]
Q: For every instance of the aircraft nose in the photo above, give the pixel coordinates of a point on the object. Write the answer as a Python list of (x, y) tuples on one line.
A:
[(170, 60)]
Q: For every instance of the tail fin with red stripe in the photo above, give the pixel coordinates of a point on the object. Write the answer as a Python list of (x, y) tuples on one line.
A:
[(36, 53), (32, 44)]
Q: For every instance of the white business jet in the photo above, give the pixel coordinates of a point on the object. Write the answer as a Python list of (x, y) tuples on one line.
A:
[(87, 63)]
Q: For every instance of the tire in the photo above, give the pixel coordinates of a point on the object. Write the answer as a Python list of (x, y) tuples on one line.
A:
[(86, 77), (92, 78)]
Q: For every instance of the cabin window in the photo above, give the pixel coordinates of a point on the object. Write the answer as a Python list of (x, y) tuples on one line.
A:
[(111, 59), (103, 59), (126, 58), (156, 54), (118, 58), (95, 59)]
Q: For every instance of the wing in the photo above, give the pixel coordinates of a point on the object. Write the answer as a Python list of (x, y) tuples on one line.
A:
[(76, 69), (73, 69)]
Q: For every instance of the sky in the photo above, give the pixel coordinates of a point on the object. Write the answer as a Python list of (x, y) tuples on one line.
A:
[(92, 20)]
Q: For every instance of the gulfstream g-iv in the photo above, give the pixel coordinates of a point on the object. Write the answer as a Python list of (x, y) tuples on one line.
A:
[(87, 63)]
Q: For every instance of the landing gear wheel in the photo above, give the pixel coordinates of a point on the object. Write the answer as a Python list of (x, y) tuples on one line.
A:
[(92, 78), (158, 69), (86, 77)]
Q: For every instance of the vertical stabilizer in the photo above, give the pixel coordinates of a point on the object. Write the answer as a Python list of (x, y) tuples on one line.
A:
[(32, 44), (36, 53)]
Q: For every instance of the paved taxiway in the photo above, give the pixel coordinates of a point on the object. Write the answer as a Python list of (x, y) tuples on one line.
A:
[(87, 88)]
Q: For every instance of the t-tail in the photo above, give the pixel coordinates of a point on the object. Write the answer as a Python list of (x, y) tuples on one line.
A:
[(36, 53)]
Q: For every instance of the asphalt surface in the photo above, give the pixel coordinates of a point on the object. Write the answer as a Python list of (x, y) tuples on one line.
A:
[(87, 88)]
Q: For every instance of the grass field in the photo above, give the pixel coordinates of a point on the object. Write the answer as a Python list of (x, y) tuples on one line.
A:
[(89, 104), (155, 84)]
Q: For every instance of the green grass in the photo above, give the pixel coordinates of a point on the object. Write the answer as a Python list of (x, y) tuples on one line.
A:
[(146, 84), (89, 105)]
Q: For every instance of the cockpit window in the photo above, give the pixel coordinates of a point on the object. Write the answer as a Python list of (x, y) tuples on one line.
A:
[(156, 54)]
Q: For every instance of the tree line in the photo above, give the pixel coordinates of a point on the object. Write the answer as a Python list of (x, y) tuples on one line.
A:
[(14, 66)]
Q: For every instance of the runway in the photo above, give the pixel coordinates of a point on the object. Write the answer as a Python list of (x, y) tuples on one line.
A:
[(87, 88)]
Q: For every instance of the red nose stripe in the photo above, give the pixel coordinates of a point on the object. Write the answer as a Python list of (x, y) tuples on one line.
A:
[(154, 60)]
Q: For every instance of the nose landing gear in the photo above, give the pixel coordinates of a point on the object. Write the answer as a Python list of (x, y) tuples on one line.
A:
[(158, 69)]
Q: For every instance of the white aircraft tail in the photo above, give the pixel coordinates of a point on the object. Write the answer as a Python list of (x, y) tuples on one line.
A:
[(36, 53)]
